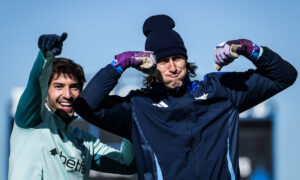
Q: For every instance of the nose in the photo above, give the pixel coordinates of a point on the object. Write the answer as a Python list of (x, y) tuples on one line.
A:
[(172, 66), (67, 93)]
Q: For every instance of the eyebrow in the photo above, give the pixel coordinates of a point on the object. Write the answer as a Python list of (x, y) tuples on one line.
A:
[(73, 84), (163, 59), (178, 56), (57, 83)]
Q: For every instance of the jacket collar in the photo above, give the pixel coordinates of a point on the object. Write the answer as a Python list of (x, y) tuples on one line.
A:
[(59, 121)]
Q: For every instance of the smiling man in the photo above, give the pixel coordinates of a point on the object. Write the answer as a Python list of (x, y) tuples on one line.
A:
[(43, 144), (64, 88), (183, 129)]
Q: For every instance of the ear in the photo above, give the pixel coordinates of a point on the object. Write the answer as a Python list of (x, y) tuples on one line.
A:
[(47, 99)]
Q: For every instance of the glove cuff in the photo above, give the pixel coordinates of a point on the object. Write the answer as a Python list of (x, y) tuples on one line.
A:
[(255, 52), (116, 66)]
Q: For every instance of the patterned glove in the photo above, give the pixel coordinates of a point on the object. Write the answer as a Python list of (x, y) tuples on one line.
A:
[(137, 59), (226, 52), (52, 43)]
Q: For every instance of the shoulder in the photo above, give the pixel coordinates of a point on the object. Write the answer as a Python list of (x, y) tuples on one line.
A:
[(231, 80), (209, 79), (223, 76), (137, 92)]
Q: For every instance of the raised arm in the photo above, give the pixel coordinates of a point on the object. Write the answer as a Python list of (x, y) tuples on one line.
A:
[(112, 113), (247, 89), (34, 96)]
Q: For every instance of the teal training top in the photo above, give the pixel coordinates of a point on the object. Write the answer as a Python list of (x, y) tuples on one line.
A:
[(43, 146)]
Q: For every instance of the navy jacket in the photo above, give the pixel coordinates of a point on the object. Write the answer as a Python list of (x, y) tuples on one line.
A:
[(190, 134)]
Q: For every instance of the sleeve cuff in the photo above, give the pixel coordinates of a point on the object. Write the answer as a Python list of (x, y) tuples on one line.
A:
[(127, 151), (257, 52), (117, 68)]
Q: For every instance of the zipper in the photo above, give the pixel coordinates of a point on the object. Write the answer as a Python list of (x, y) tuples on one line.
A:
[(191, 136)]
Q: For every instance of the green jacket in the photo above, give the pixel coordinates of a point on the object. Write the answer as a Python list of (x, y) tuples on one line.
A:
[(43, 146)]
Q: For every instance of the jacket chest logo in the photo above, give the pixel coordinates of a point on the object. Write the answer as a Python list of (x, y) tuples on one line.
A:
[(203, 97), (161, 104), (73, 164)]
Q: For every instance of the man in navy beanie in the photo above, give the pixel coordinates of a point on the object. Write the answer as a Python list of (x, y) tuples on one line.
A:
[(183, 129)]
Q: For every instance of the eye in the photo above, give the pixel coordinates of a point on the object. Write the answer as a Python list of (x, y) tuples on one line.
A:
[(75, 86), (163, 60), (58, 86)]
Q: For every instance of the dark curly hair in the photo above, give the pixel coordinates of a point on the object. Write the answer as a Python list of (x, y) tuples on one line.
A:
[(67, 67)]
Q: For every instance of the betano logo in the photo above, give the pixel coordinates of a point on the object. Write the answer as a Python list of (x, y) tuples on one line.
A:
[(77, 166)]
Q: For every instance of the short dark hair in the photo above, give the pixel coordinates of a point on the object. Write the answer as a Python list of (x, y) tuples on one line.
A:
[(149, 80), (67, 67)]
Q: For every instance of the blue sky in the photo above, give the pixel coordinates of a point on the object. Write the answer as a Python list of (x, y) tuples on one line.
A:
[(97, 30)]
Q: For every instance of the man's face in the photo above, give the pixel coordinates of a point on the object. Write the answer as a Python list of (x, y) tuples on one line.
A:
[(172, 71), (63, 90)]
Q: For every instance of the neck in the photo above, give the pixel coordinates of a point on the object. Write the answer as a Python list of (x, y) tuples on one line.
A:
[(160, 88), (64, 116)]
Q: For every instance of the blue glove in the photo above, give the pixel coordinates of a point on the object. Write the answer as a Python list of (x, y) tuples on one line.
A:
[(52, 43)]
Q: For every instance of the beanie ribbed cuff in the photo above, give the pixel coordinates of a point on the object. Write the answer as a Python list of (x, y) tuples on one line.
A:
[(162, 53)]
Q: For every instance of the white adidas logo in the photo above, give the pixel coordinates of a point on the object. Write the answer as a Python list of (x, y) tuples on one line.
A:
[(161, 104), (203, 97)]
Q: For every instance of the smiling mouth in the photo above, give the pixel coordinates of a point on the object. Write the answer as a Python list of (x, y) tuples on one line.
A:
[(66, 106)]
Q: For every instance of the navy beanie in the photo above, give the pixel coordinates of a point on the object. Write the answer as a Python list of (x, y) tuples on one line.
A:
[(161, 38)]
